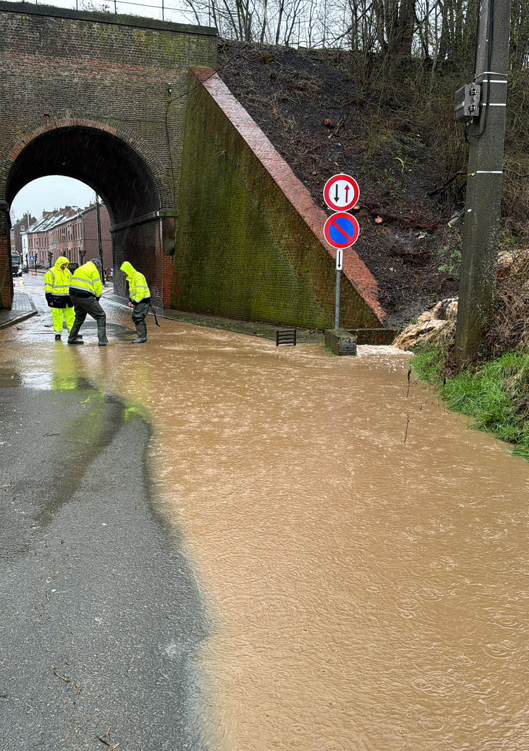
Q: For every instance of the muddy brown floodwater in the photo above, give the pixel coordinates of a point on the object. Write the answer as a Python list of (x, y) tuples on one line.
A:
[(366, 592)]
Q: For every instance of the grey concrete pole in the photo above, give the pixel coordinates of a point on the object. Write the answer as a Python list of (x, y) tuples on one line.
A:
[(485, 170)]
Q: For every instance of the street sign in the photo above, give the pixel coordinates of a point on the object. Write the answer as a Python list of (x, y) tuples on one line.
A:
[(341, 230), (341, 192), (339, 259), (32, 258)]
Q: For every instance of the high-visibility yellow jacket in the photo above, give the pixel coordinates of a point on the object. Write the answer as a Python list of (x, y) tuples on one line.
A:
[(138, 288), (57, 284), (87, 279)]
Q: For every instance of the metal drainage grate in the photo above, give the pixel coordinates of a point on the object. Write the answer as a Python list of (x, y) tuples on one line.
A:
[(286, 336)]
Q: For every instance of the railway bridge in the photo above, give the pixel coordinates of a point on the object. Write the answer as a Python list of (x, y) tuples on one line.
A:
[(198, 197)]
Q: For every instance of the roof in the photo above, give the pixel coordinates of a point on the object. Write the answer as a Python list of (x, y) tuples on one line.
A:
[(45, 223)]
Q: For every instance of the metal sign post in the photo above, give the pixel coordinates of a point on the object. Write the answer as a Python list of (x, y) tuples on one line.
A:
[(339, 266), (341, 230)]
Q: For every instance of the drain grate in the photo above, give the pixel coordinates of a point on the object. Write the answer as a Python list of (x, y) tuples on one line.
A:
[(286, 336)]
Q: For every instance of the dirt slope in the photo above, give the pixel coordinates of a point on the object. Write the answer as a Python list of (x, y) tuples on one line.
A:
[(308, 104)]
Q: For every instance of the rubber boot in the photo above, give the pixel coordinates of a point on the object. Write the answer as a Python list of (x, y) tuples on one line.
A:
[(102, 336), (57, 337), (141, 330)]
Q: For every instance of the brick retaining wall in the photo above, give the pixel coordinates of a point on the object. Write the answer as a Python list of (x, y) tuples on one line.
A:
[(249, 240)]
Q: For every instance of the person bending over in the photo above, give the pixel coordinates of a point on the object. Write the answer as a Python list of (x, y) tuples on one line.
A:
[(85, 291)]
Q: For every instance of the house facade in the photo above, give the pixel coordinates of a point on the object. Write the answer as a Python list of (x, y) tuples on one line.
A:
[(69, 232)]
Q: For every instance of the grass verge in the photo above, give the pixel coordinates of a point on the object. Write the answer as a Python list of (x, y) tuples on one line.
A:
[(494, 393)]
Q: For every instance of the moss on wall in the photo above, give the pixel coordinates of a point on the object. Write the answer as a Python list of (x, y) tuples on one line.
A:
[(242, 250)]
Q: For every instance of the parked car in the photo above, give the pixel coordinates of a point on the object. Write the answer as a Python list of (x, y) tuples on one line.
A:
[(16, 264)]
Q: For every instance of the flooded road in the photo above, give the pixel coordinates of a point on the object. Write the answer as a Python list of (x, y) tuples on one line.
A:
[(362, 555)]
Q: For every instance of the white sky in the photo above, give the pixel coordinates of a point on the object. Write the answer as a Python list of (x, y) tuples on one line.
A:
[(174, 10), (48, 193)]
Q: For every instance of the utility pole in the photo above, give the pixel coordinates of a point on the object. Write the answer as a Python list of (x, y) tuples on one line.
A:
[(99, 243), (485, 171)]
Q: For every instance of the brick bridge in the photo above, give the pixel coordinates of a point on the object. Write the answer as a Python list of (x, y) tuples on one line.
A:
[(98, 97), (132, 107)]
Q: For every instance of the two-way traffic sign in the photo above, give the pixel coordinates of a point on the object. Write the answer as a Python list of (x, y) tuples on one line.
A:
[(341, 192)]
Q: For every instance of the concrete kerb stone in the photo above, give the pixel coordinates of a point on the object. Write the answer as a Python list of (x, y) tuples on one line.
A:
[(23, 308), (340, 342), (234, 325)]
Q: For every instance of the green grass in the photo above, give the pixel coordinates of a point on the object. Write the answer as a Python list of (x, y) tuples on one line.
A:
[(495, 395)]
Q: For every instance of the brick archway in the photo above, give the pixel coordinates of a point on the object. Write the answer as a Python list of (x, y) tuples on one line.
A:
[(106, 161)]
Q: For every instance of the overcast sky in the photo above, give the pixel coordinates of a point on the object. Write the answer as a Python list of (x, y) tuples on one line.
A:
[(48, 193)]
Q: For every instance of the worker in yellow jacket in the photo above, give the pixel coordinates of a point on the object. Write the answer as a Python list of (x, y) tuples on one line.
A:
[(57, 291), (85, 290), (139, 300)]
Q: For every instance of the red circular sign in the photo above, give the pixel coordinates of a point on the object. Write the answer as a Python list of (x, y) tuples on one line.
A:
[(341, 192), (341, 230)]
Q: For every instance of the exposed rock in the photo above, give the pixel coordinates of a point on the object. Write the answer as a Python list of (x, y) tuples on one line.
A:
[(509, 261), (435, 325)]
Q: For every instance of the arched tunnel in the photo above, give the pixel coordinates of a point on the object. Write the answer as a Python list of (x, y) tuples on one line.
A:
[(119, 174)]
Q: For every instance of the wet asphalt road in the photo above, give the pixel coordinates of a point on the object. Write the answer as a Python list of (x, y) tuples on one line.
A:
[(101, 616)]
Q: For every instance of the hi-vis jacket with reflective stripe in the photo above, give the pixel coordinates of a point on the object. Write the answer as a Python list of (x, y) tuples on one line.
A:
[(57, 281), (87, 278), (138, 289)]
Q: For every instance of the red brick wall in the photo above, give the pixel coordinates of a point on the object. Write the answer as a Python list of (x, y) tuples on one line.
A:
[(167, 283), (6, 280), (90, 236)]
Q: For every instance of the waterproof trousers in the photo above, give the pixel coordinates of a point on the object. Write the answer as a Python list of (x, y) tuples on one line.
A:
[(138, 318), (90, 306), (62, 314)]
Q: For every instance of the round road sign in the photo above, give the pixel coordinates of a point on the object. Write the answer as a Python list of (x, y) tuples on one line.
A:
[(341, 192), (341, 230)]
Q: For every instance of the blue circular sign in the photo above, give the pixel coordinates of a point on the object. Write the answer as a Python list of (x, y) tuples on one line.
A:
[(341, 230)]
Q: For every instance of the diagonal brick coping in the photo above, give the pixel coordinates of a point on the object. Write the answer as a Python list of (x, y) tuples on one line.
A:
[(353, 267)]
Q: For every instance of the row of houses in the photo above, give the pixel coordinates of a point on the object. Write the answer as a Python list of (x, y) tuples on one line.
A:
[(69, 232)]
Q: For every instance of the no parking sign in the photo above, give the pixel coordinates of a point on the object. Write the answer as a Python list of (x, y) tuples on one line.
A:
[(341, 230)]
